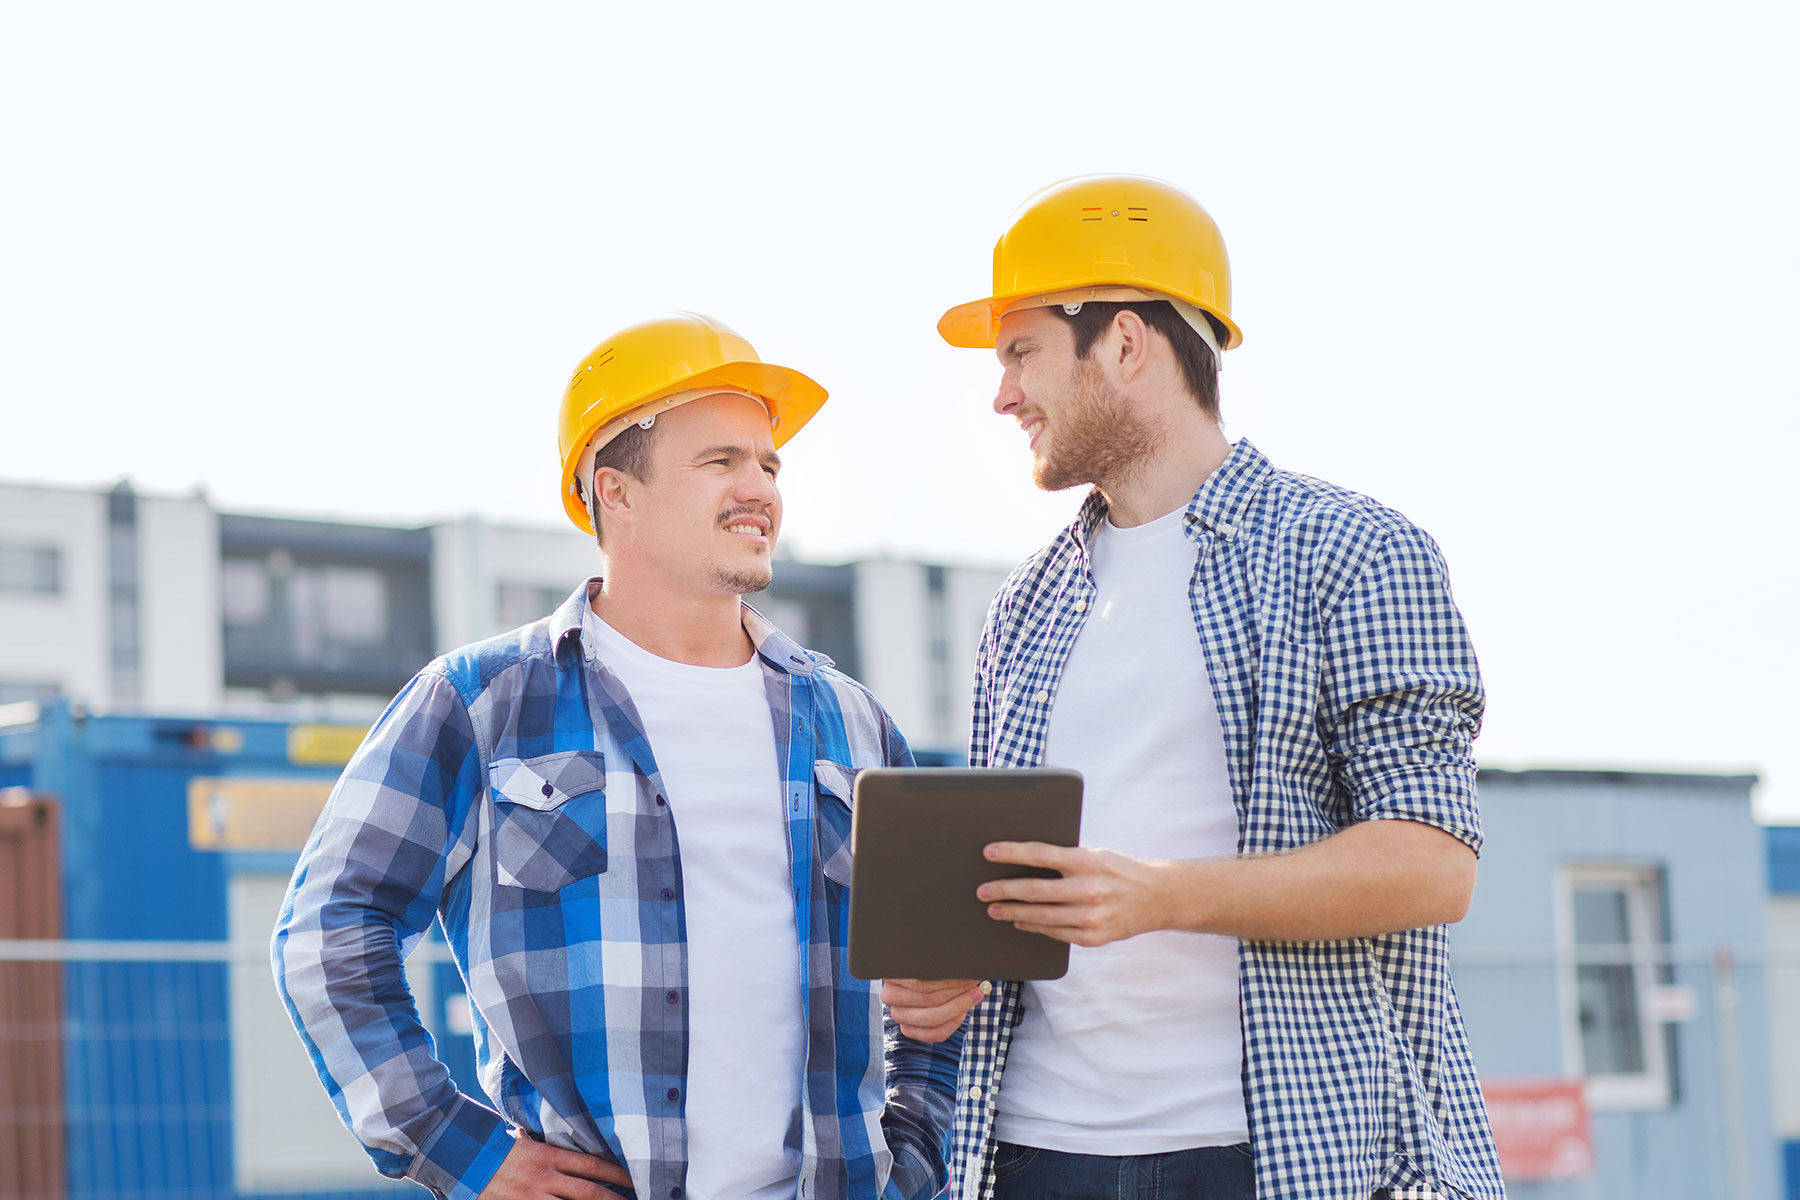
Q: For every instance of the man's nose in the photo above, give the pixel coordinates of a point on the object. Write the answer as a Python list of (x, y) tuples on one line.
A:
[(756, 486), (1009, 396)]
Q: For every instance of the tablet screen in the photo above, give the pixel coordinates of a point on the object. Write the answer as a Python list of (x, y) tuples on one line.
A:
[(917, 836)]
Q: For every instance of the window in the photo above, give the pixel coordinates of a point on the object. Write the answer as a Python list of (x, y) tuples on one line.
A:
[(353, 604), (1612, 942), (335, 613), (245, 587), (36, 570)]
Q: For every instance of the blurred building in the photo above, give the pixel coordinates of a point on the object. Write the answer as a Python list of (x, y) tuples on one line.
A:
[(1619, 939), (1630, 969), (121, 600), (1784, 993)]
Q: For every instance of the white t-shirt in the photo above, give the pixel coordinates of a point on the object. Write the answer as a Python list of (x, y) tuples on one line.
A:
[(1138, 1049), (713, 736)]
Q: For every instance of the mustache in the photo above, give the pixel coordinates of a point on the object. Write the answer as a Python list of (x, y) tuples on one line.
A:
[(745, 510)]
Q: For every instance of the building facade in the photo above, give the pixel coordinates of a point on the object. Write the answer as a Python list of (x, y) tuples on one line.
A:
[(1634, 941), (1617, 941), (120, 600), (1784, 993)]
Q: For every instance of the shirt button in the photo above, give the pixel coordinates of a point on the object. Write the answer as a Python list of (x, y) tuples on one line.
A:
[(674, 1093), (1227, 528), (548, 790), (672, 997), (660, 802), (1081, 606), (675, 1192), (975, 1092), (668, 893), (1043, 695)]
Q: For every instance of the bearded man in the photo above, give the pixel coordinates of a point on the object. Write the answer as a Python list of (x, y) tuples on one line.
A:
[(1271, 696)]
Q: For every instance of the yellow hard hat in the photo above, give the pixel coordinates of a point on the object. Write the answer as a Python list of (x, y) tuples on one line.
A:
[(653, 360), (1111, 237)]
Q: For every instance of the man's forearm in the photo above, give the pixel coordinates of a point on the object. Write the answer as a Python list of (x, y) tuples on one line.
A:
[(1374, 877), (921, 1106)]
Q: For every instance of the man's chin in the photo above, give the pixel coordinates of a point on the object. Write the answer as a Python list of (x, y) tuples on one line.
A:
[(745, 582), (1051, 477)]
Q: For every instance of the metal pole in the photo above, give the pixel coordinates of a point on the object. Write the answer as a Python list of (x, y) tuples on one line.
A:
[(1731, 1088)]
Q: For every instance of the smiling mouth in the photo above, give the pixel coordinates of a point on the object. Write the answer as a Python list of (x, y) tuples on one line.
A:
[(749, 525)]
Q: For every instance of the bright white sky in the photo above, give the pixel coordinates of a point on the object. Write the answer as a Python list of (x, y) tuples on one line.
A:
[(1526, 272)]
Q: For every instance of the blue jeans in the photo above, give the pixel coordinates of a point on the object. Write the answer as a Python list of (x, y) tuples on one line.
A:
[(1207, 1173)]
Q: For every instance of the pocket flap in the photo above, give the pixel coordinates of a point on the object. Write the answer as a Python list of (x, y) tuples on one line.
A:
[(836, 779), (548, 780)]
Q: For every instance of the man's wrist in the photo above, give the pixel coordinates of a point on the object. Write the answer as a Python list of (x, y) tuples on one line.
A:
[(460, 1159), (1187, 894)]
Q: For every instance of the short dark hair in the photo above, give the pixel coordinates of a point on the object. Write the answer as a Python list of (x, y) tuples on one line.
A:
[(1198, 366), (630, 454)]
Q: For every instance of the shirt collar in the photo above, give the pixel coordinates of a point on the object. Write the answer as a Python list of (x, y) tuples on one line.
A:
[(1219, 505), (775, 647)]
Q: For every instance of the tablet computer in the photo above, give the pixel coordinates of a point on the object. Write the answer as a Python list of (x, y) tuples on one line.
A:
[(916, 839)]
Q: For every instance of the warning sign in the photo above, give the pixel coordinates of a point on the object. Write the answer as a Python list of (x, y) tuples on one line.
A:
[(1540, 1128)]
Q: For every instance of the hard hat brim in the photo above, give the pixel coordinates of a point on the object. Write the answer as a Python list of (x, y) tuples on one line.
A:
[(976, 325)]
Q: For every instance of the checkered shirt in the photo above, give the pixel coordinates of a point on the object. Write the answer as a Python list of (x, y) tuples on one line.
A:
[(511, 792), (1348, 691)]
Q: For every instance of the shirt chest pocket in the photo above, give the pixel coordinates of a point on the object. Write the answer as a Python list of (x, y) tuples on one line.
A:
[(549, 819), (836, 787)]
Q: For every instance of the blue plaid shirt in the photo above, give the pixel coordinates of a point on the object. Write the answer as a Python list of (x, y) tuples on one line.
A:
[(510, 790), (1348, 692)]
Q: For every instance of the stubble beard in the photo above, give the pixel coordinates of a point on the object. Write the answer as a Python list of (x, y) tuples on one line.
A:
[(742, 581), (1099, 438)]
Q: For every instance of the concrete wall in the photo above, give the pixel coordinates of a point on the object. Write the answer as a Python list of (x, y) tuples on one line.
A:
[(891, 626), (900, 617), (178, 604)]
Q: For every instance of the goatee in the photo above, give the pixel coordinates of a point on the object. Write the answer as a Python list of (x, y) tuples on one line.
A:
[(742, 582)]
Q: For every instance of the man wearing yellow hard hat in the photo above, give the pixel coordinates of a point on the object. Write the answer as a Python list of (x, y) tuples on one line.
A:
[(1271, 696), (632, 819)]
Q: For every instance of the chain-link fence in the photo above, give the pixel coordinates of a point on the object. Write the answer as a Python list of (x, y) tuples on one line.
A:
[(168, 1071)]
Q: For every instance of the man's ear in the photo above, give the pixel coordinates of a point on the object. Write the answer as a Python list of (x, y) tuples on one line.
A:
[(615, 494), (1128, 345)]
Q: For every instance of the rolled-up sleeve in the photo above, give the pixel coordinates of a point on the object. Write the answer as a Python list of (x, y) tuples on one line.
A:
[(1403, 693), (366, 889)]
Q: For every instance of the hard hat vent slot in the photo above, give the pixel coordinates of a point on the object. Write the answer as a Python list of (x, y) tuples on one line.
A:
[(1091, 213), (1137, 214)]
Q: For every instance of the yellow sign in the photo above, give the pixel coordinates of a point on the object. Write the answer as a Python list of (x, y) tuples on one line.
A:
[(324, 745), (254, 814)]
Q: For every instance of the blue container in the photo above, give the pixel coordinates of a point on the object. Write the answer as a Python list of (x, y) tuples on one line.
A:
[(148, 1044)]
